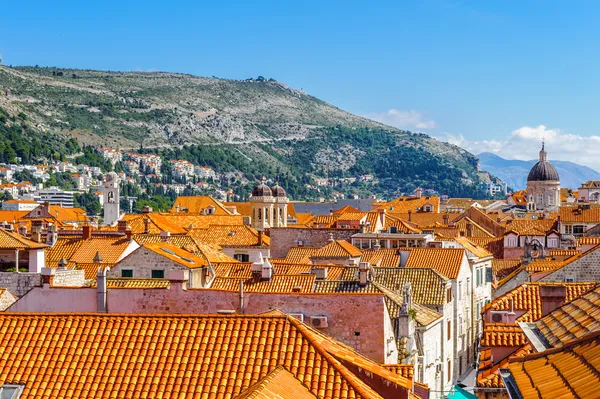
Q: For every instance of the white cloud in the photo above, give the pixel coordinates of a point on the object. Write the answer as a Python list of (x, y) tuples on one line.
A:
[(525, 142), (403, 119)]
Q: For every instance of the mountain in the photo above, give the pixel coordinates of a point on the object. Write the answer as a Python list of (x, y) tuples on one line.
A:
[(244, 129), (515, 172)]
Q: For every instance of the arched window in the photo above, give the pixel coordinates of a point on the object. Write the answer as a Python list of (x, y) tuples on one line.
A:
[(259, 213)]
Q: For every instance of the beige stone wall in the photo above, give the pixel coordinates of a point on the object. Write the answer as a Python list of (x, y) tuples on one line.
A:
[(6, 299), (583, 269), (283, 238), (69, 278)]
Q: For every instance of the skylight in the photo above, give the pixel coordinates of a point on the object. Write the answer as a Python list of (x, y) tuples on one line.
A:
[(11, 391)]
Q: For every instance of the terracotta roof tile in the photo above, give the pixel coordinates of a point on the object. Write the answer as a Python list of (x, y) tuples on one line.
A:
[(284, 283), (572, 320), (503, 267), (337, 249), (445, 261), (569, 372), (489, 375), (279, 383), (12, 240), (473, 248), (176, 254), (300, 254), (133, 283), (196, 204), (526, 297), (576, 214), (384, 257), (166, 356), (111, 249), (503, 335), (230, 236)]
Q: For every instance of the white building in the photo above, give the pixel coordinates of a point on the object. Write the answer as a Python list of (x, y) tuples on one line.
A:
[(56, 196), (111, 199), (19, 205), (204, 172), (543, 186)]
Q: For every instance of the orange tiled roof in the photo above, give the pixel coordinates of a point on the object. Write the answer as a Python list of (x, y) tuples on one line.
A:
[(414, 204), (572, 320), (502, 267), (489, 375), (278, 283), (402, 224), (325, 220), (176, 254), (156, 223), (111, 249), (384, 257), (588, 241), (574, 214), (279, 383), (179, 240), (495, 334), (337, 249), (300, 254), (544, 265), (230, 236), (11, 216), (196, 204), (37, 350), (351, 216), (426, 219), (428, 287), (405, 370), (473, 248), (564, 252), (527, 298), (133, 283), (572, 371), (12, 240), (445, 261)]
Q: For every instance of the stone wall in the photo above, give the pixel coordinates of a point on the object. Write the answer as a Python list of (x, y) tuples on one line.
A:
[(19, 283), (6, 299), (283, 238), (69, 278), (586, 268)]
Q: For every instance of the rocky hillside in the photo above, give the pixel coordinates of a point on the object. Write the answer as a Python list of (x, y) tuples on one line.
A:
[(244, 128)]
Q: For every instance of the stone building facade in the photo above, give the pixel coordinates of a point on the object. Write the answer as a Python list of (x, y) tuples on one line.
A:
[(543, 186)]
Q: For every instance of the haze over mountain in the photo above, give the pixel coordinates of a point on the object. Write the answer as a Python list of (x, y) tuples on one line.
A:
[(514, 172), (243, 128)]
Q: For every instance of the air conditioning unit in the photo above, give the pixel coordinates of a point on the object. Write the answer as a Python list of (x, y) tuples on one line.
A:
[(499, 317), (319, 321), (298, 316)]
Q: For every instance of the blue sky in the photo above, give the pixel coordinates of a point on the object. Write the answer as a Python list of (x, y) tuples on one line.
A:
[(475, 73)]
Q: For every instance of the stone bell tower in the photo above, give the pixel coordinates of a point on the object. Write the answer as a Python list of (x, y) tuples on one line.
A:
[(111, 199)]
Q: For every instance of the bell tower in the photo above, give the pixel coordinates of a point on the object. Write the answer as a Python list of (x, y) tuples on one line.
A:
[(111, 199)]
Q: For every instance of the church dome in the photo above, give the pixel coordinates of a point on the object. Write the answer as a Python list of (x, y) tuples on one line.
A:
[(262, 190), (543, 170), (278, 191)]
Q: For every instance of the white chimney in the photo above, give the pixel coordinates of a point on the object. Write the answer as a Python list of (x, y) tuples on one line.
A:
[(164, 236), (363, 273), (101, 285), (267, 271)]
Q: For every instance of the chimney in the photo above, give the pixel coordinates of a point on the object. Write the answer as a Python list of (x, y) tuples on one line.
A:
[(446, 218), (47, 274), (260, 237), (469, 229), (87, 232), (101, 284), (62, 264), (178, 280), (419, 192), (176, 208), (552, 296), (267, 271), (51, 236), (23, 230), (320, 272), (363, 273), (147, 226), (121, 226), (512, 317), (164, 236), (377, 245), (382, 215), (36, 234), (410, 216), (129, 233)]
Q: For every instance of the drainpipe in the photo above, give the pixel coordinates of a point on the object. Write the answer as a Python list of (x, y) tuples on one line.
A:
[(17, 260), (242, 307)]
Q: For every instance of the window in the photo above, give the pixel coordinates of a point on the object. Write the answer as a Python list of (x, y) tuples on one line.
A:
[(449, 371), (488, 275), (158, 274), (469, 284), (449, 329), (512, 242), (448, 294), (569, 280), (568, 229), (578, 230), (540, 198), (459, 290), (126, 272), (242, 257), (9, 391), (552, 242)]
